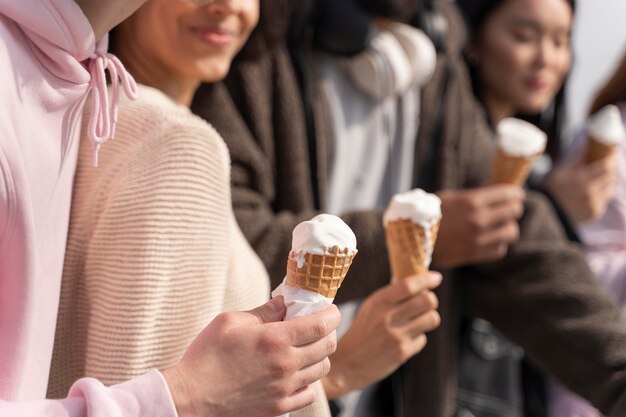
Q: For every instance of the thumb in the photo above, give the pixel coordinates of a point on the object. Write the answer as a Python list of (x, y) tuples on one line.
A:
[(273, 310)]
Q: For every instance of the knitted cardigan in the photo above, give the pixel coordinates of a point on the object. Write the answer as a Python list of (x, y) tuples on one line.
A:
[(154, 252)]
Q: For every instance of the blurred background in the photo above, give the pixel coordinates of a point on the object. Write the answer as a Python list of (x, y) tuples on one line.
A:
[(599, 40)]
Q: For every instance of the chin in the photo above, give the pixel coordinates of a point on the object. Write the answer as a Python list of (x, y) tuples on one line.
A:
[(213, 73), (534, 107), (537, 103)]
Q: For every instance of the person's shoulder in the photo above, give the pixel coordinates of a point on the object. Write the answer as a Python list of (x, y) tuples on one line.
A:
[(153, 132), (155, 108), (165, 128), (154, 119)]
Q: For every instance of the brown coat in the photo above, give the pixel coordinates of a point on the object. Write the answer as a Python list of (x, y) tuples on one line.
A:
[(541, 295)]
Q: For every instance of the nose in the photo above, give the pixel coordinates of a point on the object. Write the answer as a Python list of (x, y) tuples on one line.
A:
[(543, 53), (548, 53)]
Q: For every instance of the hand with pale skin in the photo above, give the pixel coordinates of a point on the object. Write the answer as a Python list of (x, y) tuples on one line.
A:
[(479, 224), (389, 328), (253, 364), (583, 190)]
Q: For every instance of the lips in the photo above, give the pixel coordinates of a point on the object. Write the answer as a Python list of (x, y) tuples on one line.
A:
[(537, 83), (215, 36)]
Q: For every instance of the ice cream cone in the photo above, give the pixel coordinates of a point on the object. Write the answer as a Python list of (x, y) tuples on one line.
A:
[(597, 150), (605, 130), (519, 144), (409, 246), (509, 169), (322, 274)]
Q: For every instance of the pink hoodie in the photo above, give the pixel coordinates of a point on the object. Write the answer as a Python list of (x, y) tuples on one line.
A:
[(50, 62)]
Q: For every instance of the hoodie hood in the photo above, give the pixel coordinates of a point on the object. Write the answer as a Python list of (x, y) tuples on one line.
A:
[(64, 43), (60, 33)]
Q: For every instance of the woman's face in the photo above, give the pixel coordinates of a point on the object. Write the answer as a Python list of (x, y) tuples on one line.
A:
[(191, 38), (523, 53)]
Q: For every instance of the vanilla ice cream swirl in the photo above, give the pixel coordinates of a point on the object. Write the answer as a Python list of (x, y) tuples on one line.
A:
[(519, 138), (416, 205), (606, 126), (320, 234)]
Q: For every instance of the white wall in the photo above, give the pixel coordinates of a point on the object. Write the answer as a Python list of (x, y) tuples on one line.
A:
[(599, 41)]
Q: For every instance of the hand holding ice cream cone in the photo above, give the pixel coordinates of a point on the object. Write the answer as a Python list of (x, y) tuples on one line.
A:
[(411, 224), (605, 131), (519, 144), (322, 250)]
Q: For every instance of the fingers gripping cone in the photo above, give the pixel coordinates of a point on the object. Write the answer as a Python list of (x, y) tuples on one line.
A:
[(322, 250), (519, 145), (411, 224), (605, 131)]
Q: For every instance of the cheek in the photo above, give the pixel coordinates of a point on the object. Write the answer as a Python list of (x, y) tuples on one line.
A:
[(504, 65), (559, 70), (158, 23), (510, 58), (564, 65), (250, 16), (162, 44)]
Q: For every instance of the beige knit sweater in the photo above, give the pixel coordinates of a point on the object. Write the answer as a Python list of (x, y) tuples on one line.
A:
[(154, 252)]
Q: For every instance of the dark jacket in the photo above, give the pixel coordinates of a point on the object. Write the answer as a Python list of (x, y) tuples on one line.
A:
[(542, 295)]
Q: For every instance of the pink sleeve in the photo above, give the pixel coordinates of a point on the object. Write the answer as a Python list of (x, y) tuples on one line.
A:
[(144, 396), (610, 269), (565, 403)]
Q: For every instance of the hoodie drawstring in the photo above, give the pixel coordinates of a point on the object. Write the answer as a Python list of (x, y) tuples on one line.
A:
[(104, 111)]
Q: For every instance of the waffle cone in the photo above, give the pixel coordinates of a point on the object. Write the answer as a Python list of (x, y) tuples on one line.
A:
[(407, 247), (508, 169), (597, 150), (322, 274)]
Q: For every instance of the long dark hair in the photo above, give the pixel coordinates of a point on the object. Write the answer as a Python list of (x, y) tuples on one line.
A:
[(401, 10), (552, 119), (274, 18)]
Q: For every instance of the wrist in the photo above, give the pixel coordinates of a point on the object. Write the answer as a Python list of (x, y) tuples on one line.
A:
[(179, 390)]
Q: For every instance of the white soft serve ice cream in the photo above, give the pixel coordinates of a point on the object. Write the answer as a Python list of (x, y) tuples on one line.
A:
[(417, 205), (320, 234), (606, 126), (519, 138)]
